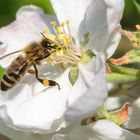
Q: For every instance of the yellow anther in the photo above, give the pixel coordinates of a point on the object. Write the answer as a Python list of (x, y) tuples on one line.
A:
[(52, 44), (58, 30), (66, 43), (45, 30), (61, 37), (53, 23), (138, 26), (68, 38), (53, 63), (67, 21), (57, 53), (62, 24), (51, 37), (61, 52), (50, 57), (64, 64), (53, 50), (65, 39)]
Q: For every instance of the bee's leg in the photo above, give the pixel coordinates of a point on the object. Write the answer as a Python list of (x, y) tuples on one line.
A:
[(38, 63), (45, 82)]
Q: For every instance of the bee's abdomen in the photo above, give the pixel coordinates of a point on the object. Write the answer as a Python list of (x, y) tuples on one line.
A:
[(11, 79)]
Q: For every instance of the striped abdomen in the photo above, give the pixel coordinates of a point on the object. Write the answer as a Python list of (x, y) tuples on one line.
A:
[(14, 73)]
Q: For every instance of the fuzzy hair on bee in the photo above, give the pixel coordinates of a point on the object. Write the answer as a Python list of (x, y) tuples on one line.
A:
[(30, 56)]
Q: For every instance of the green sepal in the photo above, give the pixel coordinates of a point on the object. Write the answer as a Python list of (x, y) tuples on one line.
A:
[(122, 74), (134, 55), (85, 59), (102, 113), (87, 56), (73, 74), (130, 57), (118, 116)]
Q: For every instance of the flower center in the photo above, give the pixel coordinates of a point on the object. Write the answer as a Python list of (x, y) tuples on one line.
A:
[(66, 51)]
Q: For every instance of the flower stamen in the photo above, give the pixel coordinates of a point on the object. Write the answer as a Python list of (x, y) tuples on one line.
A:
[(66, 51)]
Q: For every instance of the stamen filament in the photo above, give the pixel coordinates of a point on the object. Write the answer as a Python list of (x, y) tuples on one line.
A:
[(65, 50), (67, 23)]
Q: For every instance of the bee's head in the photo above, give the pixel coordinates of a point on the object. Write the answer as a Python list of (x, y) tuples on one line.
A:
[(47, 43)]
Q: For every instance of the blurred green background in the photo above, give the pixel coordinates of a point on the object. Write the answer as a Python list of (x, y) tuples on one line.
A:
[(8, 10)]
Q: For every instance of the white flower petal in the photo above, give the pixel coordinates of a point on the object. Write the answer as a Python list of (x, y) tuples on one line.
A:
[(106, 130), (19, 135), (27, 11), (102, 20), (88, 92), (100, 130), (133, 121), (41, 112), (72, 10), (29, 23), (99, 18)]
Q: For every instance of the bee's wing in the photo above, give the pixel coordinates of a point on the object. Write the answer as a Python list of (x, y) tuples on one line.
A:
[(10, 54), (18, 63), (7, 59)]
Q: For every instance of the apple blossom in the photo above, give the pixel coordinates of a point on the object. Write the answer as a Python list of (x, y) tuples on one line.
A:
[(30, 108), (100, 130), (129, 94)]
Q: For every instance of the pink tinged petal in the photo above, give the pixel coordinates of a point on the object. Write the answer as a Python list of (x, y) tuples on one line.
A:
[(39, 113), (30, 21), (88, 92), (134, 113), (74, 10), (134, 118), (102, 20)]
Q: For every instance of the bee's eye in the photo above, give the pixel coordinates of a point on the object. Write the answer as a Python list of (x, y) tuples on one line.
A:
[(48, 45)]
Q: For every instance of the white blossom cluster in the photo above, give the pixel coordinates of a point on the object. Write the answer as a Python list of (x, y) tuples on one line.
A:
[(31, 111)]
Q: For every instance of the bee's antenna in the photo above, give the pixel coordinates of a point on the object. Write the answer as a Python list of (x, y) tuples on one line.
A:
[(43, 35)]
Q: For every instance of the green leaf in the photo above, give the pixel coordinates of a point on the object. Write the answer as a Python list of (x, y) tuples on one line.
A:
[(137, 5), (2, 71)]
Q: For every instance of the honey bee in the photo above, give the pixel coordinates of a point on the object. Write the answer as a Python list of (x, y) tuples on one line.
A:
[(31, 55)]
